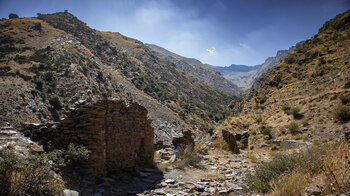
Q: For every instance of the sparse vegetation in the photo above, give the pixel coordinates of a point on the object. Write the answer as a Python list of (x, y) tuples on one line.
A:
[(341, 21), (34, 174), (268, 172)]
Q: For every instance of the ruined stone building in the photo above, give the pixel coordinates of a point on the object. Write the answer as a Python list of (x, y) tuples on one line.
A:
[(120, 137)]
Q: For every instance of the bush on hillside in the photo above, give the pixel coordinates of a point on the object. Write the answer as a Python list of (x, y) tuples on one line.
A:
[(342, 113), (293, 128), (56, 103), (292, 111), (12, 15)]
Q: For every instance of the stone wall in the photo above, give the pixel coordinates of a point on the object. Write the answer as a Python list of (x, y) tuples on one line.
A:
[(120, 137)]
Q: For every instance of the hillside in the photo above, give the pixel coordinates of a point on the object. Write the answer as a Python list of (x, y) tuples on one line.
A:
[(198, 70), (298, 115), (53, 62), (245, 76), (305, 97)]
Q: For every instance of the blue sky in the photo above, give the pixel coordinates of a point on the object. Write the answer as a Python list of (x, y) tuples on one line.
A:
[(217, 32)]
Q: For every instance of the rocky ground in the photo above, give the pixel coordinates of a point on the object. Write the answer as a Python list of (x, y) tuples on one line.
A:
[(218, 174)]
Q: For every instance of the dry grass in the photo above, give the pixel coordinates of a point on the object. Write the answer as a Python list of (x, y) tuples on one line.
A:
[(187, 157), (291, 174), (201, 149), (252, 157), (290, 185), (220, 144), (164, 166), (282, 165), (336, 170)]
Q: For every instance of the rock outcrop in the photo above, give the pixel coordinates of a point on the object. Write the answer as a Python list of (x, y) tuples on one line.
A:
[(119, 136), (183, 140), (230, 138)]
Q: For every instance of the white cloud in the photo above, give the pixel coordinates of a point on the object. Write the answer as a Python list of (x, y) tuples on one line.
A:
[(211, 51)]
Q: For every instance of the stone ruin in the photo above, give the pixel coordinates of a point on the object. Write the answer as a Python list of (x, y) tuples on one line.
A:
[(120, 137)]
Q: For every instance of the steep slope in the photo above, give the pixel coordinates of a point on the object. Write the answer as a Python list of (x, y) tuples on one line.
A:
[(306, 96), (197, 69), (53, 62), (244, 76), (46, 72)]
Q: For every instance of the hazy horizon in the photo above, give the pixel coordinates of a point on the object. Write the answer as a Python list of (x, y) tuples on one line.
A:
[(219, 33)]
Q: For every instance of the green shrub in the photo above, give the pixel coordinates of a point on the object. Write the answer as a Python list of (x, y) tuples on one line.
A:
[(292, 111), (49, 77), (56, 103), (293, 128), (295, 112), (342, 113), (39, 85), (20, 59)]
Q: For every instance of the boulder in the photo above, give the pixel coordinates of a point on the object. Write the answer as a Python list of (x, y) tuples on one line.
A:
[(68, 192), (183, 140)]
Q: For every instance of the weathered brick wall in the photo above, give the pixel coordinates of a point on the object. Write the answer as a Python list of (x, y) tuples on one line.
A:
[(120, 137)]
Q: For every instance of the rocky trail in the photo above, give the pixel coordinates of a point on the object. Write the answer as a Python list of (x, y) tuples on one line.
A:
[(217, 174)]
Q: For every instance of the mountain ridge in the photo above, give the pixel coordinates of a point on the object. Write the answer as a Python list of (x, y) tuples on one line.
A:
[(56, 59), (244, 76)]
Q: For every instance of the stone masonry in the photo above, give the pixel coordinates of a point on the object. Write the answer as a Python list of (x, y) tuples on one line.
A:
[(120, 137)]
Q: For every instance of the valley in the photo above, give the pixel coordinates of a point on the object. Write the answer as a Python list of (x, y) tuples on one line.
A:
[(89, 112)]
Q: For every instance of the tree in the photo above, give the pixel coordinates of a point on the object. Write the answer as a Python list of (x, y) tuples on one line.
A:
[(12, 15)]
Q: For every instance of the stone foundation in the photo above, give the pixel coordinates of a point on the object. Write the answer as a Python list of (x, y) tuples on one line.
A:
[(120, 137)]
